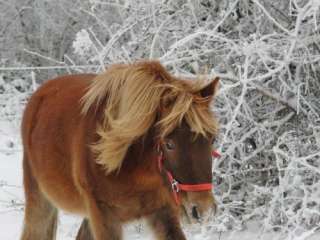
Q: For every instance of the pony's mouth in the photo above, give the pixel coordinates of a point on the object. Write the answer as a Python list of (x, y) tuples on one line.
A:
[(202, 211)]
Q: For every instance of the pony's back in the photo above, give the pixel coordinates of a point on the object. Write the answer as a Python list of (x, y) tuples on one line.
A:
[(53, 97)]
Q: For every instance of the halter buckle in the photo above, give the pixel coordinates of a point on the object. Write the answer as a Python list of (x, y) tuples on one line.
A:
[(175, 185)]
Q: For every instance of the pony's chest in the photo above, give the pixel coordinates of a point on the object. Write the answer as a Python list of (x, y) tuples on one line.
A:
[(141, 203), (132, 195), (134, 199)]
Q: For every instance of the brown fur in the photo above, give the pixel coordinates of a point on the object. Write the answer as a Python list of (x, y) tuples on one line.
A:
[(124, 112)]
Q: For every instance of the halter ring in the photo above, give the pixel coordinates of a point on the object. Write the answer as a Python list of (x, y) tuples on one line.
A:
[(175, 185)]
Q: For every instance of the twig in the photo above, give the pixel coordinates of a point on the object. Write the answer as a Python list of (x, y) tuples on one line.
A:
[(275, 96), (46, 67), (270, 17)]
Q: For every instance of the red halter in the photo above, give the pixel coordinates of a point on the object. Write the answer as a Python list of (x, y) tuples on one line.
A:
[(177, 187)]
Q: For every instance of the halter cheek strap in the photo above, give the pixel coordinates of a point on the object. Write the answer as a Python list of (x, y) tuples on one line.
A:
[(177, 187)]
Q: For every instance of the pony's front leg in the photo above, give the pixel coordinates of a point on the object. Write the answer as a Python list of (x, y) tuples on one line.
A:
[(165, 223), (102, 224), (84, 232)]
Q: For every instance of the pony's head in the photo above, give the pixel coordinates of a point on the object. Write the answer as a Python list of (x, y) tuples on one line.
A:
[(187, 131), (142, 97)]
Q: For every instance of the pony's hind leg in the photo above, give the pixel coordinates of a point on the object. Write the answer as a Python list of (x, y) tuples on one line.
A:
[(84, 232), (40, 220)]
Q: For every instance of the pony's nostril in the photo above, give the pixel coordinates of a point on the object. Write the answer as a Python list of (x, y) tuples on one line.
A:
[(195, 213), (215, 208)]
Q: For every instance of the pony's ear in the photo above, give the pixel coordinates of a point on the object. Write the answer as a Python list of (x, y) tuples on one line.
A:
[(210, 90)]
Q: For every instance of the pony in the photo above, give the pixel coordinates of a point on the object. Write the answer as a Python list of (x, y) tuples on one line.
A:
[(132, 142)]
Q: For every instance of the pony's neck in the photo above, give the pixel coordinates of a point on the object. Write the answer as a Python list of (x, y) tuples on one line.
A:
[(141, 153)]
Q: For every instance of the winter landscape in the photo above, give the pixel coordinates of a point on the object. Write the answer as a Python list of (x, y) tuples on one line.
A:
[(267, 54)]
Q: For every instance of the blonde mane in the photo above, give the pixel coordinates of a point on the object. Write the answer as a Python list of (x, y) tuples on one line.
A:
[(135, 97)]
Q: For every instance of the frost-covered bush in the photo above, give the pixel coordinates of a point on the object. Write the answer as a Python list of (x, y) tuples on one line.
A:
[(14, 91), (267, 54)]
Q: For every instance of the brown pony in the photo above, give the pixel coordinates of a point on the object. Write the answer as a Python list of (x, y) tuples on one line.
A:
[(105, 146)]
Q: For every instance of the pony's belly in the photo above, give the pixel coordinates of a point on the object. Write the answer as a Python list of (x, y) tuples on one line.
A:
[(64, 196)]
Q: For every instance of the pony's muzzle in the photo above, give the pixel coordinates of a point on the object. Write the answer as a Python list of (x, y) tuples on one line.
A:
[(199, 206)]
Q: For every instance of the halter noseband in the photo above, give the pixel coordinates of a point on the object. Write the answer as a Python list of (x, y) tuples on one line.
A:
[(176, 186)]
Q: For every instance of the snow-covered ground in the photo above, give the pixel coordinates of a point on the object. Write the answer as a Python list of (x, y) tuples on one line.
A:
[(12, 199)]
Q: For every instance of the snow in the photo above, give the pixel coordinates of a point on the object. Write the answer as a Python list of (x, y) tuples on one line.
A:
[(82, 43)]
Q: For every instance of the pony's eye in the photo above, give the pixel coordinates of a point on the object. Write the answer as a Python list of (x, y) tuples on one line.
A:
[(213, 140), (170, 145)]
